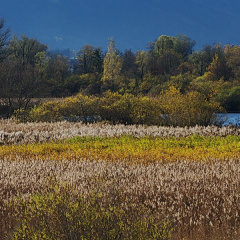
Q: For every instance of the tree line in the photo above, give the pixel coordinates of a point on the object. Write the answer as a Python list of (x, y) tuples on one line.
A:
[(29, 71)]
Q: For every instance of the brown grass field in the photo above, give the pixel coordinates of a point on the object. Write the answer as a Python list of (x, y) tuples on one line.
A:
[(193, 197)]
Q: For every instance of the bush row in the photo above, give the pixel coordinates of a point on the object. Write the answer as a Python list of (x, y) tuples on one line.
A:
[(171, 108)]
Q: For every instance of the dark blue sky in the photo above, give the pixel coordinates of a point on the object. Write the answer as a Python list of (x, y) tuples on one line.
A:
[(132, 23)]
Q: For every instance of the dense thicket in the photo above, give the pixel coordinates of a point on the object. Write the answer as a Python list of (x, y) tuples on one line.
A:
[(171, 108), (28, 71)]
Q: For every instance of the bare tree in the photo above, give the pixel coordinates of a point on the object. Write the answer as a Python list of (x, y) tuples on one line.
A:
[(20, 73)]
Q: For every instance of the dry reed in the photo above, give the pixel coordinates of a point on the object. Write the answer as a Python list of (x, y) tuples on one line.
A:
[(199, 198), (11, 133)]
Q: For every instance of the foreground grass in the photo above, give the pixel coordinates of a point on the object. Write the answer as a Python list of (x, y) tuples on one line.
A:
[(121, 188)]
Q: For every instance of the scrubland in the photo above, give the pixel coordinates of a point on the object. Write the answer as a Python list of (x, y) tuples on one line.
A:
[(99, 181)]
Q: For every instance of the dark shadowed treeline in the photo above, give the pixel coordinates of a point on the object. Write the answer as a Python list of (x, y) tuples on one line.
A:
[(28, 71)]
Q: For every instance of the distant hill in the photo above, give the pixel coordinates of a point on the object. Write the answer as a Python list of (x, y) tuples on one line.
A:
[(71, 24)]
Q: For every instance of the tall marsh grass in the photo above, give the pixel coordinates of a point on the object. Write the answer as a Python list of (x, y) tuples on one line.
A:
[(11, 132), (98, 181), (197, 199)]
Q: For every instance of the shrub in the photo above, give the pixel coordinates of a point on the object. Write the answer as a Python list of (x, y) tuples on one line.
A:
[(61, 213), (171, 108), (117, 108), (188, 109), (79, 107), (147, 111), (46, 112)]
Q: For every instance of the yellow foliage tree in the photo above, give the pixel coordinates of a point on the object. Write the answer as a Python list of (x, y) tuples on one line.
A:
[(112, 67), (218, 67), (188, 109)]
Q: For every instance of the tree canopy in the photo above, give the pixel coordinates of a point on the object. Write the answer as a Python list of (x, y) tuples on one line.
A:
[(29, 70)]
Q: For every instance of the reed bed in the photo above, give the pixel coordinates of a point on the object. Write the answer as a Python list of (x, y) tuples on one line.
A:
[(164, 183), (23, 133), (201, 200)]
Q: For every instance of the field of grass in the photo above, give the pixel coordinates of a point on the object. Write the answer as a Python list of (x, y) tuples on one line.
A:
[(75, 181)]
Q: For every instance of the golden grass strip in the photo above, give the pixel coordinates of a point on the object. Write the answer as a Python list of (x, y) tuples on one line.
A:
[(131, 149)]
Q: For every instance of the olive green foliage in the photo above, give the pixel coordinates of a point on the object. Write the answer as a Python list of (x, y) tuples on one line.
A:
[(230, 98), (208, 85), (46, 112), (59, 212), (170, 108)]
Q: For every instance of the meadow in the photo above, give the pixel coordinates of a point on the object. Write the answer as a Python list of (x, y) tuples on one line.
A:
[(98, 181)]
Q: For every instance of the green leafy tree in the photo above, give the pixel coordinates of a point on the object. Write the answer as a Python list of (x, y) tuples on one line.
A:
[(97, 60), (230, 98), (181, 81), (163, 44), (90, 60), (183, 45), (218, 67), (152, 84), (232, 54), (208, 85), (180, 44), (169, 62), (167, 53), (89, 83), (129, 66), (142, 63), (24, 49), (201, 59), (57, 71)]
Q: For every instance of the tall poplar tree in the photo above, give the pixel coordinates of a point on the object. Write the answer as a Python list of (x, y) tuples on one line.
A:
[(111, 67)]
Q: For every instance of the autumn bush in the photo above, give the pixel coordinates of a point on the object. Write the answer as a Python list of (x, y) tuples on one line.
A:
[(171, 108), (189, 109), (46, 112)]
